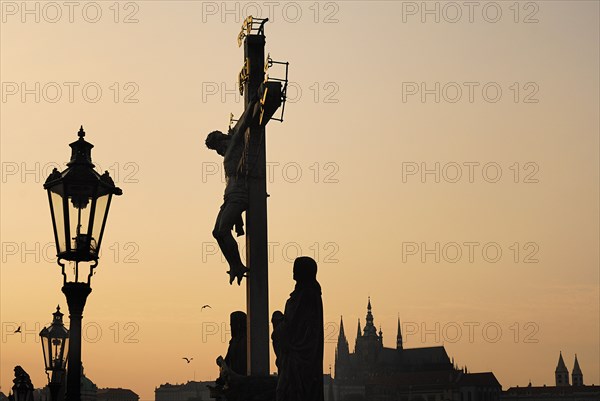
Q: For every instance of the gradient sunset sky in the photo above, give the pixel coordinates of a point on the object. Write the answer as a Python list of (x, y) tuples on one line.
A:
[(413, 132)]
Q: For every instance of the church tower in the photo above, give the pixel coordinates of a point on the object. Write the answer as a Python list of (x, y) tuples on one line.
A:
[(399, 344), (577, 375), (561, 373)]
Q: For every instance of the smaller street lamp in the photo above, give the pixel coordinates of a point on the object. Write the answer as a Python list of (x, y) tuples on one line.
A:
[(55, 340)]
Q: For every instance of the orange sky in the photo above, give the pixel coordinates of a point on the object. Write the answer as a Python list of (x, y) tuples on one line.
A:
[(413, 150)]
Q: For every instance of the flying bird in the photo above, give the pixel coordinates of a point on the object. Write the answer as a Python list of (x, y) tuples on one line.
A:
[(188, 360), (17, 330), (206, 306)]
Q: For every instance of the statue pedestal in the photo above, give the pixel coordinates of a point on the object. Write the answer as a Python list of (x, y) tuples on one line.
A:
[(245, 388)]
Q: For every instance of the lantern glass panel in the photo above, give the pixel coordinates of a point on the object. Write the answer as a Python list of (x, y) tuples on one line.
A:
[(58, 353), (59, 221), (79, 221), (46, 348), (99, 216)]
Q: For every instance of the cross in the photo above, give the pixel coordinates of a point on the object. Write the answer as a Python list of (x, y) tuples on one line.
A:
[(252, 81)]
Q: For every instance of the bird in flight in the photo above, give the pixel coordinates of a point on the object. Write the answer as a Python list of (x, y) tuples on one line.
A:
[(206, 306), (188, 360), (17, 330)]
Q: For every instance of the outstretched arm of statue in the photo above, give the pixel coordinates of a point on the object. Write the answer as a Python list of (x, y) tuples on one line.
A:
[(249, 116)]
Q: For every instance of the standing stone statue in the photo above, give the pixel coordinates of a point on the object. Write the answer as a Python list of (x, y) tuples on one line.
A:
[(22, 388), (233, 384), (237, 352), (298, 338), (235, 200)]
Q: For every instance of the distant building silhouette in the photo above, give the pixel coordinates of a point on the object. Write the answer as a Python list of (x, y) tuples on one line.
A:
[(549, 393), (190, 391), (89, 391), (376, 373), (117, 394), (328, 386), (561, 391)]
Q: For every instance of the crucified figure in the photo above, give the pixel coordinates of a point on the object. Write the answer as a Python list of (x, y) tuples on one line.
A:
[(235, 200)]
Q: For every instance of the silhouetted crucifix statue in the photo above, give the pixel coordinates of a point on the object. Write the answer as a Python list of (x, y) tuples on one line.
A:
[(244, 161), (235, 199)]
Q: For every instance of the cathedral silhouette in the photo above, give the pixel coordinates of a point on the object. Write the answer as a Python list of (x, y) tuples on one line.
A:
[(374, 372)]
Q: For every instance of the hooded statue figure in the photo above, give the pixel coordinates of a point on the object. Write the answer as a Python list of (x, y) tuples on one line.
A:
[(236, 353), (298, 338)]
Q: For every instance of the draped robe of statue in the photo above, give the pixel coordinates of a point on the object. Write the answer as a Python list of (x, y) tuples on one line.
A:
[(298, 338)]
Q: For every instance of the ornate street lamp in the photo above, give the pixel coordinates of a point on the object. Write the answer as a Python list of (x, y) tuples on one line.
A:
[(55, 340), (79, 200)]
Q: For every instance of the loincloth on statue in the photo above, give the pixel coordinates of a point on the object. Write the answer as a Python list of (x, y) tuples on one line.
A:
[(236, 193)]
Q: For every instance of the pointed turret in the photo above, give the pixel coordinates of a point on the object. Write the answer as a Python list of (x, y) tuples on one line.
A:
[(399, 344), (342, 333), (577, 375), (358, 337), (370, 329), (342, 343), (561, 373), (342, 352)]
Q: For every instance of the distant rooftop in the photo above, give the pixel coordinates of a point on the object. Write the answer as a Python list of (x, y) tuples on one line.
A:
[(553, 390), (117, 394)]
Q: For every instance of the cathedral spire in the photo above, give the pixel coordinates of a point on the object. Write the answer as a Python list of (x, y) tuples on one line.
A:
[(399, 344), (370, 329), (342, 344), (577, 375), (358, 338), (342, 352)]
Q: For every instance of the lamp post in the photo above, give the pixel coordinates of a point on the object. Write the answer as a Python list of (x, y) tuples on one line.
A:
[(55, 340), (79, 200)]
